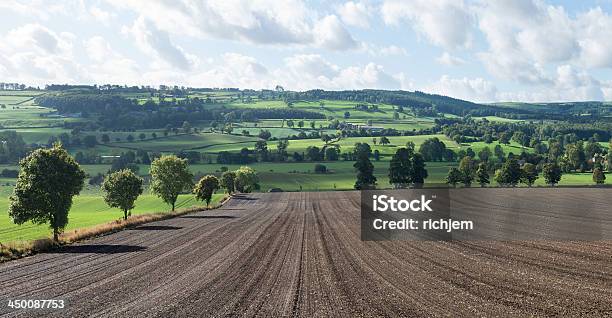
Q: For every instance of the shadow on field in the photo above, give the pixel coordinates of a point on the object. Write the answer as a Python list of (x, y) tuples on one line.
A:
[(99, 249), (240, 197), (208, 217), (156, 228)]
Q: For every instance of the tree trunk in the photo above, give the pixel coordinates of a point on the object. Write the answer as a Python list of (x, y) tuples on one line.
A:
[(125, 215), (173, 203), (55, 235)]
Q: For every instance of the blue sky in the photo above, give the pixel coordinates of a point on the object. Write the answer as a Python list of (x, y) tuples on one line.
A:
[(477, 50)]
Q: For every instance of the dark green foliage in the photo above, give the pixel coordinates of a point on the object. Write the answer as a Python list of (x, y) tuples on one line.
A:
[(433, 149), (529, 173), (227, 181), (121, 189), (598, 176), (400, 168), (319, 168), (552, 173), (205, 188), (509, 174), (454, 176), (467, 167), (365, 169), (482, 175), (47, 181)]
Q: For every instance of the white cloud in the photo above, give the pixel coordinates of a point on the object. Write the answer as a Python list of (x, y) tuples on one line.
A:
[(101, 15), (33, 53), (594, 40), (446, 23), (269, 22), (157, 43), (449, 60), (330, 34), (392, 50), (355, 14), (569, 84), (108, 65), (534, 34), (303, 72), (477, 89)]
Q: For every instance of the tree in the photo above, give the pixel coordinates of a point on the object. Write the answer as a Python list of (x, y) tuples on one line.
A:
[(205, 188), (484, 154), (419, 173), (169, 177), (332, 154), (265, 134), (319, 168), (499, 153), (598, 176), (90, 141), (130, 138), (227, 181), (121, 189), (313, 153), (384, 140), (281, 147), (552, 173), (529, 173), (365, 172), (482, 175), (509, 174), (105, 138), (454, 176), (362, 149), (142, 136), (467, 169), (47, 181), (246, 180), (347, 115), (400, 168)]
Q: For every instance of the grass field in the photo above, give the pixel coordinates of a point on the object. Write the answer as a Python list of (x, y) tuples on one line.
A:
[(86, 211)]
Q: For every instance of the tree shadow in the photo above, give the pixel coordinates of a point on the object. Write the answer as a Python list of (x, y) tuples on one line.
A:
[(98, 249), (208, 217), (241, 197), (156, 228)]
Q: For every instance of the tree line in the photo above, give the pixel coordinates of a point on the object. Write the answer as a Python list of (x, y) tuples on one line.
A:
[(49, 179)]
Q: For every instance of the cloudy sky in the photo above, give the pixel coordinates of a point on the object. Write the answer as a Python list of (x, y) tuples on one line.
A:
[(505, 50)]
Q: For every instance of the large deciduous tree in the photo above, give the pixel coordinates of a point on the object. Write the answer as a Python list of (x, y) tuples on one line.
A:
[(227, 181), (246, 180), (121, 189), (205, 188), (482, 175), (47, 181), (169, 177), (552, 173), (400, 168), (365, 168), (529, 173)]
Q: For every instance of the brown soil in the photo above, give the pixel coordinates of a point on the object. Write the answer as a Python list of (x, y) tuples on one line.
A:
[(300, 254)]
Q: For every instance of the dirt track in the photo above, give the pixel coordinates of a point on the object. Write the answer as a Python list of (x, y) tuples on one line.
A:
[(300, 254)]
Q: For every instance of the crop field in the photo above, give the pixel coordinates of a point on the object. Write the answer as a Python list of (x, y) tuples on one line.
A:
[(88, 210), (300, 255)]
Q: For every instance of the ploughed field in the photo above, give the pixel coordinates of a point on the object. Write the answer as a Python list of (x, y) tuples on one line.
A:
[(300, 254)]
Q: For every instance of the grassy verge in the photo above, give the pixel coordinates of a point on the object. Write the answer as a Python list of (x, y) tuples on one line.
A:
[(17, 249)]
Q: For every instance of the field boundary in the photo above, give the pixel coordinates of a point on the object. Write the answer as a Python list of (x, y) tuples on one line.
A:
[(20, 249)]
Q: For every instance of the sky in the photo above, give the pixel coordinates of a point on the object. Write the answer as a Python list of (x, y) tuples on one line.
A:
[(483, 51)]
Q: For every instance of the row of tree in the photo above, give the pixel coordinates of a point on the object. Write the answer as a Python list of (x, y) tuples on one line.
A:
[(49, 179)]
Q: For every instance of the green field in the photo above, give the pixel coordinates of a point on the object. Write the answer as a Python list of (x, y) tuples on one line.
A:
[(87, 211)]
